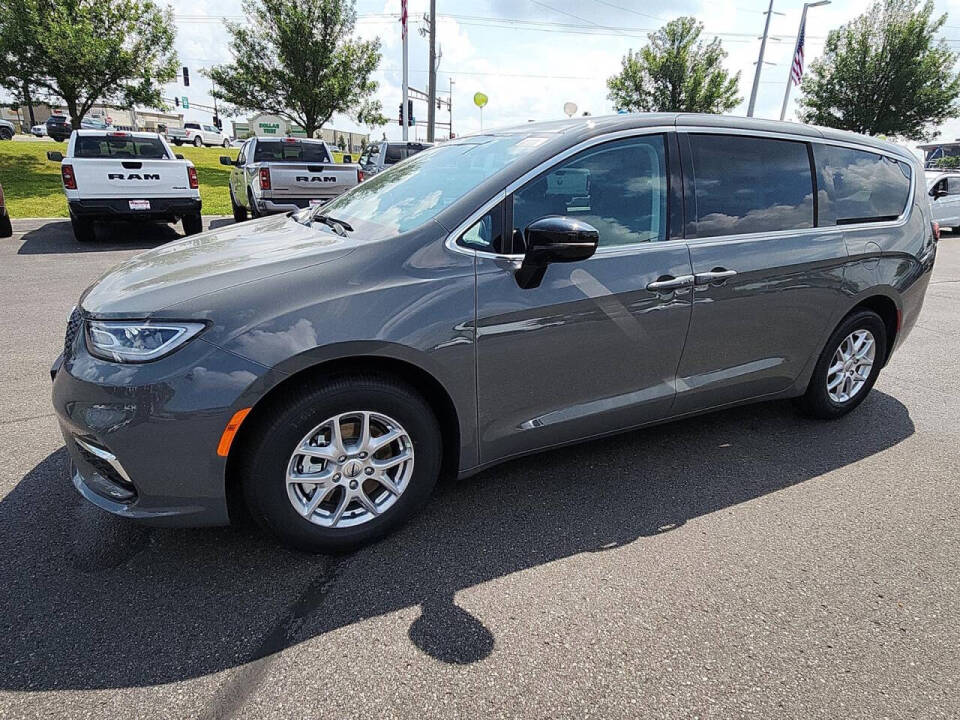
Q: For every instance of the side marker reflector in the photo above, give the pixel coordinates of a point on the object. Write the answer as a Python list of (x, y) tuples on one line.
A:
[(223, 449)]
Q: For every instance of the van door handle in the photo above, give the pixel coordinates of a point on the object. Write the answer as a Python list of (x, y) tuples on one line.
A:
[(717, 275), (668, 283)]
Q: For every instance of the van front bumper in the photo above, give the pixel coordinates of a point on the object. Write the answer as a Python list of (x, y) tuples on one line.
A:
[(142, 438)]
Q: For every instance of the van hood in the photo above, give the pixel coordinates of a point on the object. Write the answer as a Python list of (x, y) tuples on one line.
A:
[(209, 262)]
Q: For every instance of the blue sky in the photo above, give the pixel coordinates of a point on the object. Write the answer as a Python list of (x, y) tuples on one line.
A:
[(531, 56)]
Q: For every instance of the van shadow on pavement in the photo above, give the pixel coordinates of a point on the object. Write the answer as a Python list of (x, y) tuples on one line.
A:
[(89, 601)]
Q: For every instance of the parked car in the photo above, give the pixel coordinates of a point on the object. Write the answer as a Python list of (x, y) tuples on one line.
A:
[(39, 130), (944, 189), (92, 123), (58, 127), (493, 296), (273, 175), (6, 228), (7, 130), (380, 156), (128, 176), (198, 134)]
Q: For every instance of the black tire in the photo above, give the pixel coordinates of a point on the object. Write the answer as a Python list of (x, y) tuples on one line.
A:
[(239, 211), (226, 143), (6, 228), (6, 134), (816, 402), (254, 212), (178, 143), (83, 229), (198, 141), (272, 438), (192, 224)]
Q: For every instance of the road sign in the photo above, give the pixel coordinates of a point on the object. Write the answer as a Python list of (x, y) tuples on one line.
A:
[(185, 103)]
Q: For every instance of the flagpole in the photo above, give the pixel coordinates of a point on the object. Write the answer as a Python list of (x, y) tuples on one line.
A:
[(800, 30), (406, 120)]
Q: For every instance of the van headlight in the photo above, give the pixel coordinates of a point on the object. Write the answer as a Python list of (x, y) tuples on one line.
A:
[(137, 341)]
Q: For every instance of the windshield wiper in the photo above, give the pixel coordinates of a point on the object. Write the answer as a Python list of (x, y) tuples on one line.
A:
[(338, 225)]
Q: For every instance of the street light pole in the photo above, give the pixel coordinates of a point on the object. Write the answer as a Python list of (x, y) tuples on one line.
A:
[(801, 29), (756, 74)]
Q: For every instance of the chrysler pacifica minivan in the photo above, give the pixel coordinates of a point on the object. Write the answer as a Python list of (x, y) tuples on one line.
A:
[(492, 296)]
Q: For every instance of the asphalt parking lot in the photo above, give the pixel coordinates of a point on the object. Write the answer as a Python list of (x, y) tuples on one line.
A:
[(748, 563)]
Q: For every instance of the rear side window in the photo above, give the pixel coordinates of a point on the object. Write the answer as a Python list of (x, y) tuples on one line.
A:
[(279, 150), (857, 186), (94, 146), (397, 152), (749, 185)]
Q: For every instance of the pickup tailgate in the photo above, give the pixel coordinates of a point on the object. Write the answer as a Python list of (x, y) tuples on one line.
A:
[(109, 178), (309, 180)]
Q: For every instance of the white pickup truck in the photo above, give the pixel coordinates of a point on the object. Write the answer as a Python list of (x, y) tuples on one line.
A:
[(275, 175), (129, 176), (197, 134)]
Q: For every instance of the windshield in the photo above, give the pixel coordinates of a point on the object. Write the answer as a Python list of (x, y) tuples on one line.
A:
[(275, 150), (416, 190), (99, 146)]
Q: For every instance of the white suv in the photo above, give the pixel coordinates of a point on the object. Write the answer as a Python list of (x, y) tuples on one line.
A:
[(198, 134)]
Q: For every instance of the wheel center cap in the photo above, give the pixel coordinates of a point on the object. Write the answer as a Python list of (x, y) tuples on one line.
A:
[(352, 468)]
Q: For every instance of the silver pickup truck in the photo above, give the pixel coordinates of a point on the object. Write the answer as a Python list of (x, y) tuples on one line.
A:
[(274, 175)]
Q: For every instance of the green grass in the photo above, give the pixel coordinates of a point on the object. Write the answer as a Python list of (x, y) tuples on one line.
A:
[(31, 183)]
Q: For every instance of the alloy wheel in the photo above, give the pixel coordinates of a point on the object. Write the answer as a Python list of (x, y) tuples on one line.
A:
[(851, 365), (350, 469)]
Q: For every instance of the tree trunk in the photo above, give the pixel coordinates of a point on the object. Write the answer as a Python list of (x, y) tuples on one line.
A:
[(73, 111), (28, 99)]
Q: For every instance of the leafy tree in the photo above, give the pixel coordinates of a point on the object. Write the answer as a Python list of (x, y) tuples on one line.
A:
[(87, 51), (884, 73), (298, 59), (675, 72)]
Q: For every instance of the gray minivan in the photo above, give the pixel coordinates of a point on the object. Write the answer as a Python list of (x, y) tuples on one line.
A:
[(493, 296)]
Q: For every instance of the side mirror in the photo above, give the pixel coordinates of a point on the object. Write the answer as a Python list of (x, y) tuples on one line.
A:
[(226, 160), (54, 155), (554, 239), (178, 156)]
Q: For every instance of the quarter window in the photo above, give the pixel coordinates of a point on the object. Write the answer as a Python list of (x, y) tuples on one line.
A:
[(619, 187), (856, 186), (749, 185), (487, 233)]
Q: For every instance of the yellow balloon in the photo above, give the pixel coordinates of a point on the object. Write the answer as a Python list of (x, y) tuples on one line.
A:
[(479, 99)]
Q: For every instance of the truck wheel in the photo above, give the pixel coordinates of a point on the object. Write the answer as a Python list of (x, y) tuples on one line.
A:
[(83, 229), (192, 224), (253, 205), (6, 229), (239, 212), (178, 143), (198, 141), (6, 134), (226, 143)]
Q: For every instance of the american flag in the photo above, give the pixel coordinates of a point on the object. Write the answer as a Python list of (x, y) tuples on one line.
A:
[(403, 18), (796, 72)]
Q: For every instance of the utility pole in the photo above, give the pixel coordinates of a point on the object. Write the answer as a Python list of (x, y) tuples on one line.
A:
[(432, 83), (403, 105), (756, 74), (450, 108)]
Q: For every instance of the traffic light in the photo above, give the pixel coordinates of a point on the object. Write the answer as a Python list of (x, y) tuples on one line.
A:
[(186, 77), (217, 122), (410, 119), (176, 101)]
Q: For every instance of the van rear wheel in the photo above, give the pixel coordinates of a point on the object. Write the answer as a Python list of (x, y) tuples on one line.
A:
[(848, 367), (341, 463)]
